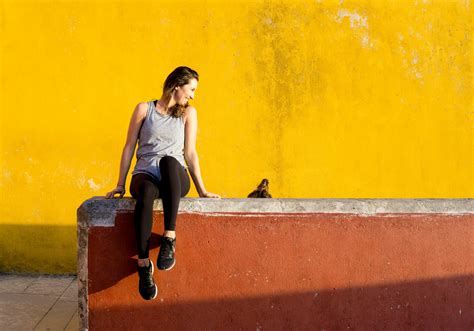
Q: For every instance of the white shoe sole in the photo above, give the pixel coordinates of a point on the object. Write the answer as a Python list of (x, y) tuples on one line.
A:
[(171, 267), (156, 287)]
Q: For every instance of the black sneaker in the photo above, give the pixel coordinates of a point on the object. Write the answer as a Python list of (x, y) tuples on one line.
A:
[(166, 259), (146, 285)]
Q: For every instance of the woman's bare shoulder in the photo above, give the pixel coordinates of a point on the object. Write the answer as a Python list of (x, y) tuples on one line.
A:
[(142, 106), (140, 109), (190, 110)]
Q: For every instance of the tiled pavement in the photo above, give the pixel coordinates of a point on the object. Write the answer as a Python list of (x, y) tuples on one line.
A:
[(38, 302)]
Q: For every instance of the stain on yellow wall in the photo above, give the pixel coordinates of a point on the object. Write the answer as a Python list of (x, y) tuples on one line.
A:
[(326, 99)]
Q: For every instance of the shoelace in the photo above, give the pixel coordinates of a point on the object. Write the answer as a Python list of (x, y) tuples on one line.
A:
[(146, 277)]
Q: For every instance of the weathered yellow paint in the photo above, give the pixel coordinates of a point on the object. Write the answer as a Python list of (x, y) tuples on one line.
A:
[(324, 98)]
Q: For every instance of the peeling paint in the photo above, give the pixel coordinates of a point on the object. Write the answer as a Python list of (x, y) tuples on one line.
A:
[(358, 23), (81, 181), (410, 59), (92, 185), (356, 20)]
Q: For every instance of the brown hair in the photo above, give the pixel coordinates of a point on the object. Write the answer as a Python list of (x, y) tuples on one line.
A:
[(179, 77)]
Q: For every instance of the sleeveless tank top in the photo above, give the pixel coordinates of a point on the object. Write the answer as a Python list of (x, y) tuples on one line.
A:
[(160, 135)]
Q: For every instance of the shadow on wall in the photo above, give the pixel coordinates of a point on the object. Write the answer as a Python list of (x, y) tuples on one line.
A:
[(436, 304), (125, 255), (38, 248)]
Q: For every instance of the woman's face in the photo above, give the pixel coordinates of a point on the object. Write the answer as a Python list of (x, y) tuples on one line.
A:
[(186, 92)]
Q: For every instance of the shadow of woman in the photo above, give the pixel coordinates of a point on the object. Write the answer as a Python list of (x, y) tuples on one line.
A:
[(118, 257)]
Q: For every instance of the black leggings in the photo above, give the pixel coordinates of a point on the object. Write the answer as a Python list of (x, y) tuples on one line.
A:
[(174, 184)]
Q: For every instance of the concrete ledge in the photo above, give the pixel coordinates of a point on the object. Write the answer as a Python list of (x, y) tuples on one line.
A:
[(99, 211), (329, 235)]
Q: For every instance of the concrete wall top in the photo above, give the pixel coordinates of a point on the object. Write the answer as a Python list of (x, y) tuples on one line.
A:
[(99, 211)]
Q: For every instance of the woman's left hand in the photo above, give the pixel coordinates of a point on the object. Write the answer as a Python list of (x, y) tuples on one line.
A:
[(209, 195)]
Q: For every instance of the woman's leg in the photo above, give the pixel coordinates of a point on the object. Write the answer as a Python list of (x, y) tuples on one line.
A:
[(145, 190), (174, 185)]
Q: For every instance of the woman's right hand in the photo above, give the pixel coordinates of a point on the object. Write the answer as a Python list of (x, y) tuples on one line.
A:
[(118, 190)]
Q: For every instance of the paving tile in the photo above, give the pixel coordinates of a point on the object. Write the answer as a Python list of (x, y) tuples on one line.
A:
[(51, 285), (73, 323), (15, 283), (70, 293), (59, 315), (21, 311)]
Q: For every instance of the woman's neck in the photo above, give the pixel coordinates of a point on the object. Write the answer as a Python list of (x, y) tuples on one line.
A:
[(171, 103)]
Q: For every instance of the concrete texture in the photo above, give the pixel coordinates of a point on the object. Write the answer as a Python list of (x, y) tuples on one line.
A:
[(40, 302), (290, 267), (99, 211)]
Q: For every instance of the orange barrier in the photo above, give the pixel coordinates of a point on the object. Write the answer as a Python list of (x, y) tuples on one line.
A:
[(284, 269)]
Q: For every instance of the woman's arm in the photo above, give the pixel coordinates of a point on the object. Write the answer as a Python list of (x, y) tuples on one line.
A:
[(138, 116), (190, 153)]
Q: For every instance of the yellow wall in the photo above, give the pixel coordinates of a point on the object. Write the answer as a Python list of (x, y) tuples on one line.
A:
[(326, 99)]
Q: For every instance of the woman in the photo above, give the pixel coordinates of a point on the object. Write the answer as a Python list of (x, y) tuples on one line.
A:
[(166, 133)]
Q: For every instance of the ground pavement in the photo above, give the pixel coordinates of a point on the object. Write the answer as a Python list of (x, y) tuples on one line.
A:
[(38, 302)]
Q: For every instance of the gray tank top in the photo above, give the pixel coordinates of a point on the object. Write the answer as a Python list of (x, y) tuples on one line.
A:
[(160, 135)]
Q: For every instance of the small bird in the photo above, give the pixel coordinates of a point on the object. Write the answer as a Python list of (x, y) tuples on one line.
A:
[(261, 191)]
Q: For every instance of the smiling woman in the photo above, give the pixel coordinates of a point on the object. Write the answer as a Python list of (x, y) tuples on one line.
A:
[(180, 85), (165, 130)]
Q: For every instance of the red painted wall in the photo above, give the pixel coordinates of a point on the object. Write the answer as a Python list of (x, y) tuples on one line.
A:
[(276, 272)]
